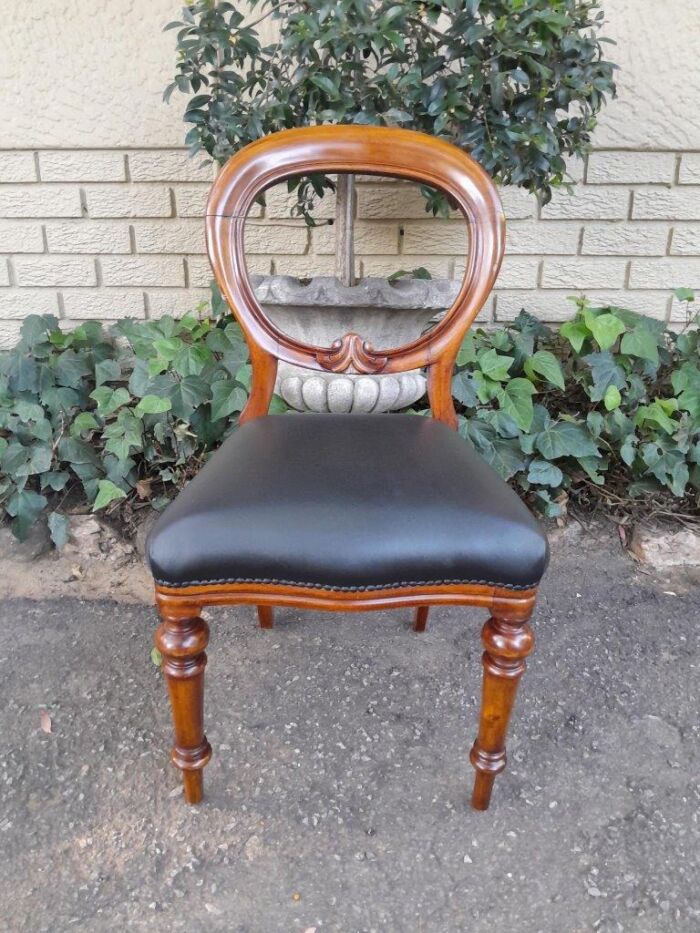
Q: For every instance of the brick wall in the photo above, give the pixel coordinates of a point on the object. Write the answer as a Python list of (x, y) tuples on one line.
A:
[(104, 234)]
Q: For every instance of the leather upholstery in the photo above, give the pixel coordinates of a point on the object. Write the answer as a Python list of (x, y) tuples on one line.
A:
[(347, 502)]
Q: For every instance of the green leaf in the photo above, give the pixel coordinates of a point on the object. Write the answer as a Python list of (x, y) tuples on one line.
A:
[(515, 398), (153, 405), (85, 421), (107, 371), (628, 449), (227, 397), (59, 527), (565, 439), (25, 506), (326, 85), (495, 366), (612, 398), (606, 328), (463, 389), (545, 473), (575, 332), (107, 492), (109, 400), (606, 372), (685, 294), (545, 364), (641, 342)]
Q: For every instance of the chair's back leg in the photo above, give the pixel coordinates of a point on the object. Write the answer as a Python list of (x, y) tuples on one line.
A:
[(266, 616), (507, 645), (420, 619), (182, 643)]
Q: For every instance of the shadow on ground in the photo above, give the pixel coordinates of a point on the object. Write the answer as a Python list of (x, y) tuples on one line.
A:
[(337, 798)]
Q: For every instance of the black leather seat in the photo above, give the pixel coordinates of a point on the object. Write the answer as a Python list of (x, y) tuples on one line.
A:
[(347, 502)]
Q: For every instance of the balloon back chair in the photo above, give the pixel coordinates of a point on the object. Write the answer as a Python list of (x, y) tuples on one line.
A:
[(348, 512)]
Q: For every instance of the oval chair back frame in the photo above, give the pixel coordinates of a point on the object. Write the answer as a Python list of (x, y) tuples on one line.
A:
[(183, 635), (361, 150)]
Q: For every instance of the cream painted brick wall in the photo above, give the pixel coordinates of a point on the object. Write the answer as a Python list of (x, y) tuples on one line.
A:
[(689, 173), (87, 236), (52, 271), (627, 168), (168, 165), (103, 303), (435, 236), (625, 239), (583, 273), (589, 204), (103, 234), (142, 270), (665, 273), (21, 236), (82, 166), (17, 167), (39, 201), (531, 237), (673, 204), (686, 241), (19, 302), (128, 201), (169, 236)]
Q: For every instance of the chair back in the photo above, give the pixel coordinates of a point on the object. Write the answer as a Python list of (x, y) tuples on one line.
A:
[(367, 150)]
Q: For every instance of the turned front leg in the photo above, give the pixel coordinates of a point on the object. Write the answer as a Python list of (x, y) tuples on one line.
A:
[(181, 643), (507, 645)]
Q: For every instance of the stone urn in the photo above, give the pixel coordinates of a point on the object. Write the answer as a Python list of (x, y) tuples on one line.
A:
[(387, 315)]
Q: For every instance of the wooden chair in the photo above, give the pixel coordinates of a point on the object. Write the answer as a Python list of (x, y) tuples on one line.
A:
[(348, 512)]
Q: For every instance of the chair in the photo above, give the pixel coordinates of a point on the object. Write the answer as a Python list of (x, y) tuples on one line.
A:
[(348, 512)]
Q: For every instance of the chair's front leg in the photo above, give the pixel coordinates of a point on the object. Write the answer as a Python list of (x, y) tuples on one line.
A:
[(507, 644), (182, 643)]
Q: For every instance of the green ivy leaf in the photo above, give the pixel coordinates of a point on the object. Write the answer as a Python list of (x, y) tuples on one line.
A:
[(575, 332), (107, 492), (495, 366), (515, 398), (107, 371), (463, 389), (565, 439), (606, 328), (109, 400), (642, 343), (59, 528), (227, 397), (25, 506), (85, 421), (545, 364), (545, 474), (153, 405), (612, 398), (605, 372)]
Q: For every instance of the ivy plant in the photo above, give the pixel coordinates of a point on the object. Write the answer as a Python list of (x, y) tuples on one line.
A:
[(110, 421), (517, 83)]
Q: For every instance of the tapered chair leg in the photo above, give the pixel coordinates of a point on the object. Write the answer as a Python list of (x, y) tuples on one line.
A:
[(182, 643), (420, 619), (507, 644), (266, 618)]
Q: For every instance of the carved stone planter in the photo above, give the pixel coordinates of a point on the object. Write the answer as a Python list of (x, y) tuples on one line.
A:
[(324, 311)]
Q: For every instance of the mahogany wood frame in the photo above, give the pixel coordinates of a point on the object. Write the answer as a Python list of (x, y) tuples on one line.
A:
[(507, 638)]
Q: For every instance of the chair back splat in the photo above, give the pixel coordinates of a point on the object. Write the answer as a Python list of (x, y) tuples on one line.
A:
[(368, 150)]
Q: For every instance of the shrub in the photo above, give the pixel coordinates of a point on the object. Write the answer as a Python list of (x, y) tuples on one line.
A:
[(610, 404), (517, 83), (84, 415)]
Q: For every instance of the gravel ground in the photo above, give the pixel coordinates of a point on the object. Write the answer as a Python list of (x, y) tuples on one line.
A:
[(337, 798)]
